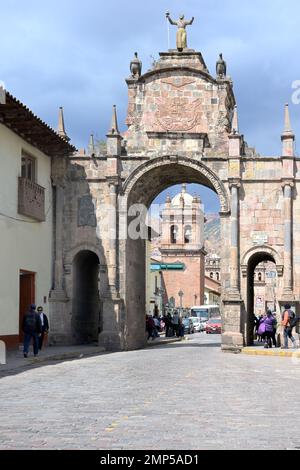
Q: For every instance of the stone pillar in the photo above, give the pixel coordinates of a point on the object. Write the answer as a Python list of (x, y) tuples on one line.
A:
[(234, 252), (232, 337), (288, 241), (58, 263), (112, 335), (60, 332), (58, 292), (113, 244)]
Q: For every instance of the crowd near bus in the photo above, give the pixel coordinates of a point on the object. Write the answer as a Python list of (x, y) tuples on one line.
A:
[(175, 323)]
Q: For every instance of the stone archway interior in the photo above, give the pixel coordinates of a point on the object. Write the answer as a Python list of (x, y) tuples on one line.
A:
[(146, 188), (86, 302), (254, 261)]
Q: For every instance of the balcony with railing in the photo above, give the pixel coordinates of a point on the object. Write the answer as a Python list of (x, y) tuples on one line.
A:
[(31, 199)]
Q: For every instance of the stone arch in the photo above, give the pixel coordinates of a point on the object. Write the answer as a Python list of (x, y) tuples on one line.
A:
[(195, 171), (266, 250), (144, 183), (70, 255), (249, 261)]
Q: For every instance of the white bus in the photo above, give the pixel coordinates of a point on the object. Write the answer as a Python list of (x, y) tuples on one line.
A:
[(205, 312)]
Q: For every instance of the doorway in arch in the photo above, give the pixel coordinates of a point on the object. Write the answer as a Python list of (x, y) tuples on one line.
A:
[(262, 291), (86, 312)]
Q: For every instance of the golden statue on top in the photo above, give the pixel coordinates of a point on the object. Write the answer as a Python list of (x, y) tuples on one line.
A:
[(181, 33)]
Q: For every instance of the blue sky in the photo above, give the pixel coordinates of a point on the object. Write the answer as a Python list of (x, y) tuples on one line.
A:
[(76, 54)]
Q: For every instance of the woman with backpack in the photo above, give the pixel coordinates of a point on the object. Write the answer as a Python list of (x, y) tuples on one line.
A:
[(289, 321), (269, 322)]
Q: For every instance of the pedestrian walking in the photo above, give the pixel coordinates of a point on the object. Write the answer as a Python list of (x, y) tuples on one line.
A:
[(175, 323), (289, 321), (32, 329), (45, 326), (181, 329), (269, 322), (169, 327), (274, 334)]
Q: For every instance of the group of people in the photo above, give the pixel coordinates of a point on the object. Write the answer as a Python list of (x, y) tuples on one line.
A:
[(35, 326), (168, 324), (266, 328)]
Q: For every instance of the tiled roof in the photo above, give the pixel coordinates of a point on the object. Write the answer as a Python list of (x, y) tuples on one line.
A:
[(17, 117)]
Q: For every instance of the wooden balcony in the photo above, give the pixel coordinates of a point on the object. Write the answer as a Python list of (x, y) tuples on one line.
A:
[(31, 200)]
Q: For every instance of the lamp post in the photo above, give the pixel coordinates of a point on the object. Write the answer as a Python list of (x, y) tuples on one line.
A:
[(180, 294)]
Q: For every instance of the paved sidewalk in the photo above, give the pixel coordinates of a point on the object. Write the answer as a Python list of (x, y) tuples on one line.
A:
[(15, 360), (275, 352)]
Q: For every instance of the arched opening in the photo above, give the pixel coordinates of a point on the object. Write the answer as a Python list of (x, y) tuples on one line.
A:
[(140, 190), (174, 234), (86, 318), (188, 234), (261, 290)]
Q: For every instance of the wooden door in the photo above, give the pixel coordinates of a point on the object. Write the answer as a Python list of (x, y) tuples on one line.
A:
[(27, 296)]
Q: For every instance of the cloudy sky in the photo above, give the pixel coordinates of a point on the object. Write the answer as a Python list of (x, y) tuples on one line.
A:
[(76, 54)]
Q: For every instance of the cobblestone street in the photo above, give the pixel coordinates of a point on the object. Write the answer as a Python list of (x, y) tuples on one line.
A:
[(181, 396)]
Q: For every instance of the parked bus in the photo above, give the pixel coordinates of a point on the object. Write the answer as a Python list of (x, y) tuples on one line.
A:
[(206, 312)]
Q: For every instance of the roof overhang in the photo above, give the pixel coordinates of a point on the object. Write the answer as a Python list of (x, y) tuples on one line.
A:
[(17, 117)]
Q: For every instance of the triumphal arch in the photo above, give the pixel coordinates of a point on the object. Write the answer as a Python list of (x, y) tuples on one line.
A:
[(182, 127)]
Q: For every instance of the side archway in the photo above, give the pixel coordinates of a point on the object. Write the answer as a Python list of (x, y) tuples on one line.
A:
[(250, 260), (263, 252), (86, 309)]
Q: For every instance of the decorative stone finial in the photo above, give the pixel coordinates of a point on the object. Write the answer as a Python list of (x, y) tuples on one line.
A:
[(92, 145), (61, 125), (288, 136), (221, 67), (181, 32), (136, 67), (114, 130), (287, 121), (235, 122), (183, 190), (114, 138)]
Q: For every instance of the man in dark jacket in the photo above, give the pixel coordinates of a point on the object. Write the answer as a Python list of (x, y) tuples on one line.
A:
[(45, 326), (32, 329)]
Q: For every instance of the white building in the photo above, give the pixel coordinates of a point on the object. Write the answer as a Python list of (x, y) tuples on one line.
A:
[(28, 148)]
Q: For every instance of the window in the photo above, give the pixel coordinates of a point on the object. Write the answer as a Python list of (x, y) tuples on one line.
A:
[(260, 277), (188, 234), (172, 218), (28, 170), (174, 233), (218, 276), (211, 275)]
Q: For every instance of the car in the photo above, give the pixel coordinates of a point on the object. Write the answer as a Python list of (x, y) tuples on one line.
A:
[(197, 324), (188, 326), (214, 326)]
